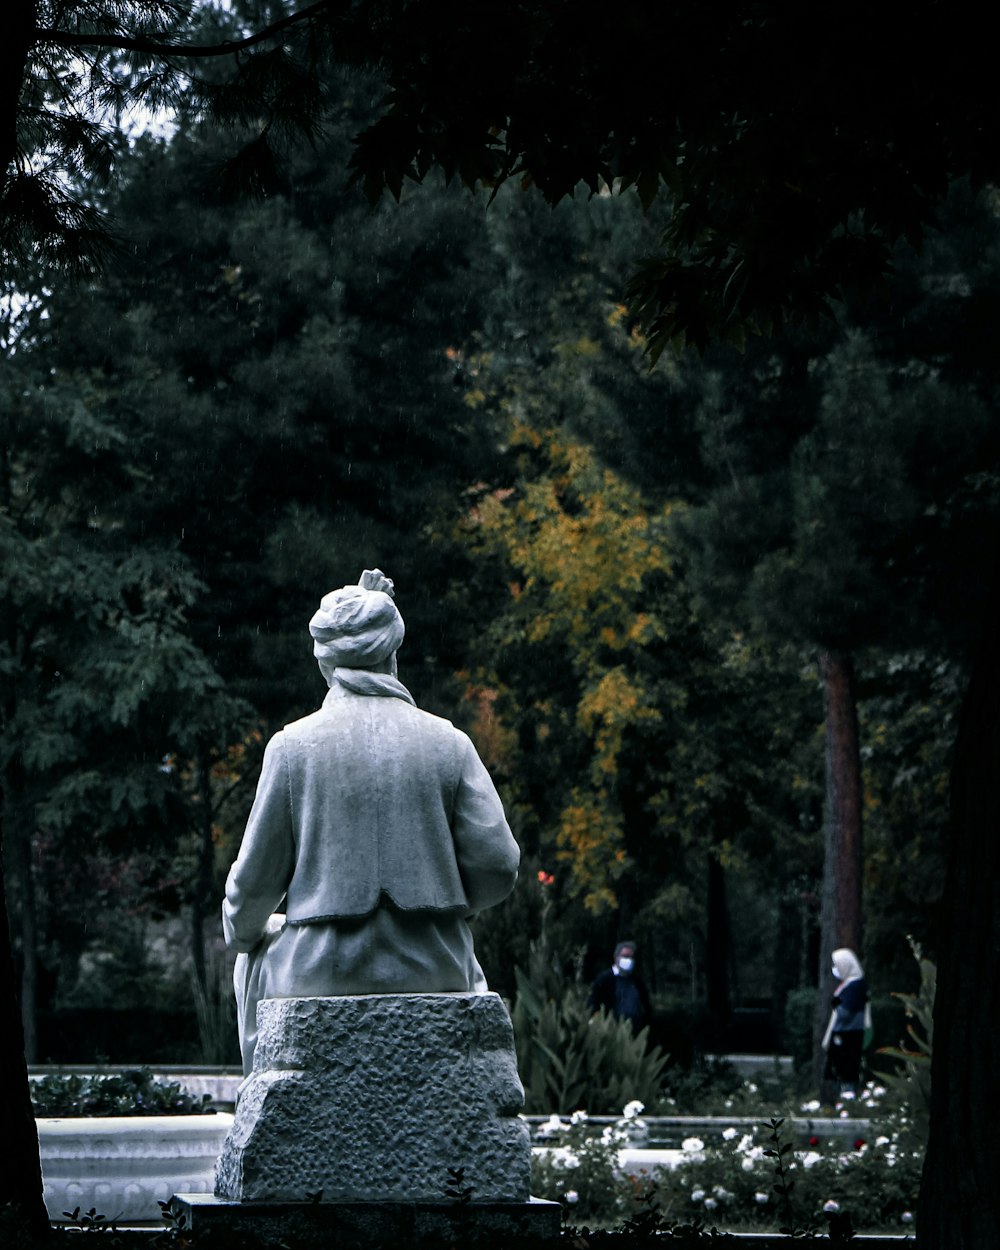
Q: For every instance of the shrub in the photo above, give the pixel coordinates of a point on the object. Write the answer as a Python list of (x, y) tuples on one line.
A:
[(568, 1057), (910, 1084), (797, 1030), (730, 1182), (581, 1171), (727, 1179), (127, 1093)]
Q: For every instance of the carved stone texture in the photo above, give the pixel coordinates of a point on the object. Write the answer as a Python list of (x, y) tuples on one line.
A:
[(379, 1098)]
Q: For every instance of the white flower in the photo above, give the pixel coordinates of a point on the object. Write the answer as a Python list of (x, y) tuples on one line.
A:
[(551, 1127), (722, 1193), (728, 1134), (691, 1145), (751, 1087), (697, 1195), (831, 1206), (843, 1115), (571, 1196), (881, 1141), (578, 1117), (747, 1164), (710, 1204), (633, 1109), (848, 1095), (745, 1143), (907, 1217), (760, 1197), (814, 1105), (879, 1092), (811, 1157)]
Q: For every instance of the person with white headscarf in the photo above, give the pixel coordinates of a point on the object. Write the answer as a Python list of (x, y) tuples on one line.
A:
[(378, 825), (844, 1038)]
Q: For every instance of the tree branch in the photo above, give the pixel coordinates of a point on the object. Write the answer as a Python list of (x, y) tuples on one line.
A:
[(160, 45)]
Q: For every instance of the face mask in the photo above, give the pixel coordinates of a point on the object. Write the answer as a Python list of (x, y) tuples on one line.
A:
[(625, 964)]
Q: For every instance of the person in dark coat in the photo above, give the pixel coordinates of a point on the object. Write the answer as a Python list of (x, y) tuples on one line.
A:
[(620, 990), (844, 1038)]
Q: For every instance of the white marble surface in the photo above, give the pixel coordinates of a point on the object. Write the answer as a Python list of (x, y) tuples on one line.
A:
[(123, 1165)]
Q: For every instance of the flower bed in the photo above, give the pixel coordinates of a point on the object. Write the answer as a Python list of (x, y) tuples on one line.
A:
[(729, 1177), (120, 1143)]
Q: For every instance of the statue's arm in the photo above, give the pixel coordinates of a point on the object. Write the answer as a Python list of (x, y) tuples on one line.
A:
[(485, 848), (258, 879)]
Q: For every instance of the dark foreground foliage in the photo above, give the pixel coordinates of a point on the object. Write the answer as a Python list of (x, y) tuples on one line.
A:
[(123, 1093)]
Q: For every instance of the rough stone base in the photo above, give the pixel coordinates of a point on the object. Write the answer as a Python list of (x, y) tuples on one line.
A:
[(390, 1224), (380, 1098)]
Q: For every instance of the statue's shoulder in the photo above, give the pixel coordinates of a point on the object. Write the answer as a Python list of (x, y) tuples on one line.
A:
[(306, 726), (438, 725), (339, 710), (431, 719)]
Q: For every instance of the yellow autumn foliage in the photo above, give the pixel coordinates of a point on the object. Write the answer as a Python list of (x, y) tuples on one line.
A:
[(580, 543), (589, 840)]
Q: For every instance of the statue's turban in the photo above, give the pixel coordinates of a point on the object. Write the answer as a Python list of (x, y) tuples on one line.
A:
[(357, 626)]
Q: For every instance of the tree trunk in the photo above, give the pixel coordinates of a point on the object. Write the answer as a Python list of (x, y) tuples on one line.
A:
[(202, 890), (960, 1193), (18, 816), (717, 946), (840, 917), (21, 1174), (15, 47)]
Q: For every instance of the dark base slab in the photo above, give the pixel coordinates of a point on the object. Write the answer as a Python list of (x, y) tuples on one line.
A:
[(324, 1224)]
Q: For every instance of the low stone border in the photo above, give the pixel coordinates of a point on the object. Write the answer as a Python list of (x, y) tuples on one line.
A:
[(124, 1165)]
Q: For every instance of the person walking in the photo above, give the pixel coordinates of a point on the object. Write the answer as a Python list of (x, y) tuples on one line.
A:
[(844, 1038), (620, 990)]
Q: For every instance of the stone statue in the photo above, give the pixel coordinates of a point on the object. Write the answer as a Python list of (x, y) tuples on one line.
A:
[(381, 1072), (376, 823)]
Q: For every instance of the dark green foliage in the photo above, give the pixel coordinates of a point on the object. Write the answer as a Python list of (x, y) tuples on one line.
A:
[(125, 1094), (797, 1034), (910, 1082), (103, 685), (790, 179), (570, 1059), (779, 1150)]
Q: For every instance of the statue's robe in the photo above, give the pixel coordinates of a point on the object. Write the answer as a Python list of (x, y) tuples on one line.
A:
[(380, 828)]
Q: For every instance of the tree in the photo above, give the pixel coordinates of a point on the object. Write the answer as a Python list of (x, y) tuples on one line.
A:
[(795, 154), (630, 728), (100, 677), (792, 181), (52, 115), (72, 73), (223, 310), (831, 546)]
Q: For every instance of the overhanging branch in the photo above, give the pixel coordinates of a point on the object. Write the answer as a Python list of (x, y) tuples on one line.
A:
[(161, 45)]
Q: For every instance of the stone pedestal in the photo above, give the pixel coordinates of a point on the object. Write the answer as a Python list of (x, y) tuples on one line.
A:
[(379, 1099)]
